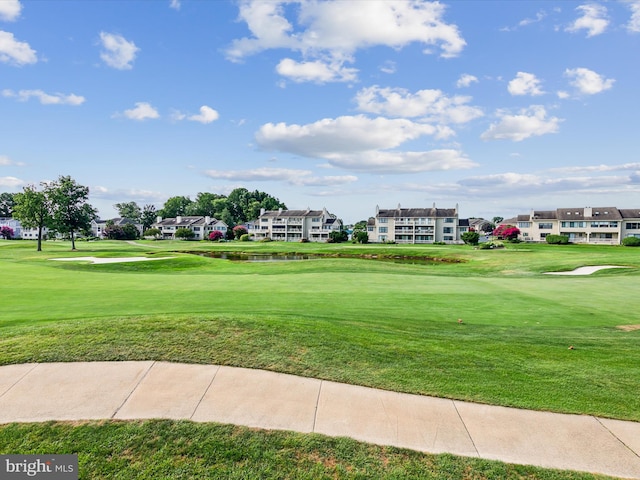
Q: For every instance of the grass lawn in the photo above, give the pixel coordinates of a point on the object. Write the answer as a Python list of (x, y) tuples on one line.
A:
[(344, 318)]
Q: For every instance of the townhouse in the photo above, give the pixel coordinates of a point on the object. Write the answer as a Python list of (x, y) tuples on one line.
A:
[(201, 226), (98, 225), (416, 225), (295, 225), (593, 225)]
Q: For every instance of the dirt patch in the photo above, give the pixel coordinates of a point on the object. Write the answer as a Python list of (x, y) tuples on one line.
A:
[(628, 328)]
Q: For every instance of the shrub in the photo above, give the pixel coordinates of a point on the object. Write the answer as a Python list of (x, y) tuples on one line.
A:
[(470, 237), (631, 242), (216, 235), (245, 237), (6, 232), (506, 232), (184, 233), (338, 236), (557, 239), (490, 245), (360, 236), (266, 239), (152, 232), (239, 231)]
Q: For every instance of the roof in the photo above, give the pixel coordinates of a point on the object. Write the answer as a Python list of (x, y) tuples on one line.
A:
[(188, 221), (522, 218), (463, 222), (544, 215), (417, 212), (630, 213), (597, 213), (292, 213)]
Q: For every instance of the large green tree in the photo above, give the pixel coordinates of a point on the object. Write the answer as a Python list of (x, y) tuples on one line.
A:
[(175, 206), (33, 209), (148, 216), (245, 206), (7, 201), (129, 210), (70, 209), (207, 205)]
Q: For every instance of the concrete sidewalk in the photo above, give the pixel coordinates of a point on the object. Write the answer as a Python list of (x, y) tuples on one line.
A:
[(255, 398)]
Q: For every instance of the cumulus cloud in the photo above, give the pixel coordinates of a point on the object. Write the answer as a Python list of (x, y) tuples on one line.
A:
[(360, 143), (333, 30), (594, 20), (587, 81), (634, 22), (142, 111), (431, 105), (466, 80), (529, 122), (290, 176), (206, 115), (45, 98), (525, 84), (15, 52), (316, 71), (118, 52), (10, 182), (10, 10), (6, 161)]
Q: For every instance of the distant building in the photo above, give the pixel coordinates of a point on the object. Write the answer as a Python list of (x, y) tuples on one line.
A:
[(416, 225), (13, 224), (98, 226), (199, 225), (594, 225), (295, 225)]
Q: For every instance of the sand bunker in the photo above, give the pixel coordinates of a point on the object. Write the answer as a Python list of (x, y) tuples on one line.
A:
[(628, 328), (584, 270), (96, 260)]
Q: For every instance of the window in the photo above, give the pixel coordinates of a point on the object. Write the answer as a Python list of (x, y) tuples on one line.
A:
[(604, 224), (448, 220), (524, 224), (315, 219), (196, 229), (573, 224), (448, 238), (370, 229), (383, 220), (264, 219), (447, 230), (545, 226), (382, 230), (633, 226)]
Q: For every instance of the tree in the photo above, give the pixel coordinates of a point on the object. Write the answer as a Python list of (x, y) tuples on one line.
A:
[(185, 233), (129, 210), (471, 237), (121, 232), (245, 206), (175, 207), (69, 207), (507, 232), (6, 232), (238, 231), (7, 201), (360, 236), (207, 205), (338, 236), (497, 220), (216, 235), (152, 232), (33, 209), (148, 216)]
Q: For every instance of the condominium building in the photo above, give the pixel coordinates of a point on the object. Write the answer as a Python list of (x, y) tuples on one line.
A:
[(416, 225), (295, 225), (200, 226), (594, 225)]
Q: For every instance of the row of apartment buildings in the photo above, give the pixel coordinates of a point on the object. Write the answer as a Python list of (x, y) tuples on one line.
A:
[(601, 225), (604, 225)]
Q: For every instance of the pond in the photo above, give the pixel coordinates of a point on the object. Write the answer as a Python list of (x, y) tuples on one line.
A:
[(245, 257)]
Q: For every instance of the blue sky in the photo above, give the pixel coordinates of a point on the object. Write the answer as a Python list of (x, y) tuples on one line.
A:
[(497, 106)]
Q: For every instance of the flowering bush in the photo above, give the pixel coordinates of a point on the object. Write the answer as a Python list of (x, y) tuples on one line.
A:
[(216, 235), (507, 232), (6, 232), (238, 231)]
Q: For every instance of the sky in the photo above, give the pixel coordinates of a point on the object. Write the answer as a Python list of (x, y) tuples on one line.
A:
[(499, 107)]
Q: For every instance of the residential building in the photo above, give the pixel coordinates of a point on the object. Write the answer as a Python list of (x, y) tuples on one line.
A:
[(593, 225), (416, 225), (98, 226), (13, 224), (199, 225), (295, 225)]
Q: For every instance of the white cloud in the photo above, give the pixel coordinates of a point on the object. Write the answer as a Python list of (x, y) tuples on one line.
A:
[(206, 115), (175, 4), (118, 52), (587, 81), (291, 176), (10, 10), (15, 52), (431, 105), (10, 182), (333, 30), (528, 123), (525, 84), (45, 98), (142, 111), (466, 80), (538, 18), (316, 71), (6, 161), (562, 94), (594, 20), (634, 167), (634, 22), (388, 67), (362, 144)]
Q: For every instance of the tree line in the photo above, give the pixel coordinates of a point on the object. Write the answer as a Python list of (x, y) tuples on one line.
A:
[(62, 206)]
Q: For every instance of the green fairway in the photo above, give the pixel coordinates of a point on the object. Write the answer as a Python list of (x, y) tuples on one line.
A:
[(356, 320)]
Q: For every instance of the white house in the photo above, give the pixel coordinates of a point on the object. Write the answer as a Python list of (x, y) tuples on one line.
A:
[(98, 225), (295, 225), (199, 225)]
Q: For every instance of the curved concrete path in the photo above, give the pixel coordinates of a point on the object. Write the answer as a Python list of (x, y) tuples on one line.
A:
[(256, 398)]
